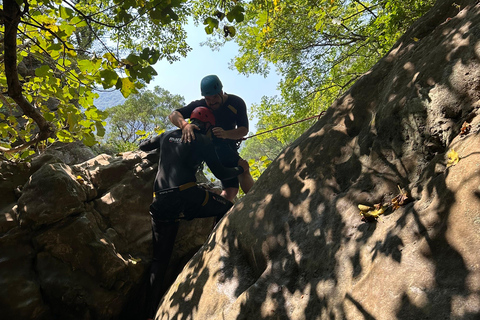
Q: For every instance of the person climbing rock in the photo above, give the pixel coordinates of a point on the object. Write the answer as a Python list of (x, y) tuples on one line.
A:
[(231, 125), (176, 193)]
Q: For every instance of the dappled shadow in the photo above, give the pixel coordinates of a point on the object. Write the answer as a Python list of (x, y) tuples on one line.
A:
[(295, 245), (188, 295)]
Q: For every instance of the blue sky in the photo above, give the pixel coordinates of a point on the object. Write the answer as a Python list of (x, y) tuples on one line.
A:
[(183, 77)]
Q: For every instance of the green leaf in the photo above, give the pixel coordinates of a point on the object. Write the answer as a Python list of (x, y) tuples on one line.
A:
[(26, 153), (211, 23), (65, 13), (86, 123), (110, 57), (89, 139), (64, 136), (93, 113), (100, 128), (109, 78), (85, 65), (236, 14), (42, 71), (126, 86), (55, 47), (229, 31)]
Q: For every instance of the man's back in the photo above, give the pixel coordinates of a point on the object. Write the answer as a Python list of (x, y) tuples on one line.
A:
[(179, 161)]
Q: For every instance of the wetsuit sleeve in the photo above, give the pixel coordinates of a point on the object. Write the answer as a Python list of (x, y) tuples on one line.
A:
[(186, 111), (150, 144), (206, 149)]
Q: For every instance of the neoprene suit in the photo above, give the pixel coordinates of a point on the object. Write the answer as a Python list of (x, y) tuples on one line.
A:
[(176, 196)]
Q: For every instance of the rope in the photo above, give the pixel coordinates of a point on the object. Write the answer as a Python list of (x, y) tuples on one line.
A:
[(316, 116)]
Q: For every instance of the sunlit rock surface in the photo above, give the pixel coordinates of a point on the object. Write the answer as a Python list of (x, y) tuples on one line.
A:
[(296, 248), (75, 236)]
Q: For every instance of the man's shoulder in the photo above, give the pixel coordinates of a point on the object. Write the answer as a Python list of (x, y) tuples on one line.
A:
[(173, 136), (235, 99)]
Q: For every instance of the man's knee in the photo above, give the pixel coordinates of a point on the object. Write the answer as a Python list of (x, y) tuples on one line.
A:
[(229, 193)]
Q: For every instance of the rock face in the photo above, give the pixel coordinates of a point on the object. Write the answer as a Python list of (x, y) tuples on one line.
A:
[(75, 239), (296, 248)]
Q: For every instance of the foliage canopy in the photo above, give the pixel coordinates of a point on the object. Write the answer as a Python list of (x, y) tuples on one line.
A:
[(57, 53), (141, 114), (319, 48)]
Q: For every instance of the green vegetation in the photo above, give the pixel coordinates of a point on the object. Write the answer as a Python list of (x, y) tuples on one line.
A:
[(57, 53), (139, 116), (319, 48)]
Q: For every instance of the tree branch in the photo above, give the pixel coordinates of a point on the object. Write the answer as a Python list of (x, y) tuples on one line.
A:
[(12, 19), (366, 8)]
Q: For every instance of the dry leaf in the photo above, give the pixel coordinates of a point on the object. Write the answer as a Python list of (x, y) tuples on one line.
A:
[(465, 128), (453, 158), (400, 199)]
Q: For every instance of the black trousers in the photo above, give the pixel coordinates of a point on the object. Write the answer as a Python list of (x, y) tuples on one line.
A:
[(167, 209)]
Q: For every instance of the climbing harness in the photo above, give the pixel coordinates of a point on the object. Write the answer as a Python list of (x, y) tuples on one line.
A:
[(254, 135)]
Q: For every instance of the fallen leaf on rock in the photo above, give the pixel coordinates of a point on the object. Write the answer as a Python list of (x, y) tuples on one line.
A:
[(363, 207), (373, 214), (465, 128), (453, 158), (400, 199)]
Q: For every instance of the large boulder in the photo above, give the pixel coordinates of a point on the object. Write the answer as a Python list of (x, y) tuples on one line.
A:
[(75, 239), (297, 247)]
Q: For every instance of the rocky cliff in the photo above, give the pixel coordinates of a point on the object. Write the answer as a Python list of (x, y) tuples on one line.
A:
[(373, 213), (296, 247), (75, 238)]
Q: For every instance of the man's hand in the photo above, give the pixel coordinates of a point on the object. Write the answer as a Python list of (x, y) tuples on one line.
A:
[(187, 132), (219, 133), (244, 164)]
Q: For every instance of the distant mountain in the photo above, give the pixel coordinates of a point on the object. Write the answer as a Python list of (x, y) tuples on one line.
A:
[(109, 99)]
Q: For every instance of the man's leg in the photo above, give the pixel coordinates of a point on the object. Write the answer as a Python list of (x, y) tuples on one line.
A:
[(163, 236), (201, 203), (230, 193), (246, 181)]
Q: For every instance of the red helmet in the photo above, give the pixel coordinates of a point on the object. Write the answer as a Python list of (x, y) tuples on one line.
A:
[(204, 115)]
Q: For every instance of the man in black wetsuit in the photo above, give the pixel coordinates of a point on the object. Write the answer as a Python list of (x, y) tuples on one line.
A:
[(231, 125), (176, 194)]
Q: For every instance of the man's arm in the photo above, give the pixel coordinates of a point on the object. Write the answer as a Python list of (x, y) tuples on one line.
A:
[(150, 144), (234, 134), (209, 155), (178, 120), (241, 119)]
